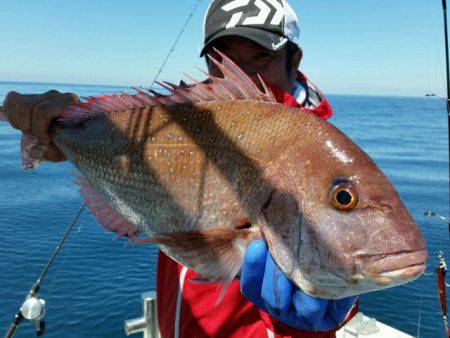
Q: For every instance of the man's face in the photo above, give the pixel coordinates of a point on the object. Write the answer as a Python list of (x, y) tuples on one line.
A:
[(255, 59)]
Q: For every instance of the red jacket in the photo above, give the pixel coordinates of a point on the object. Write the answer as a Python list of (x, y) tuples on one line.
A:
[(187, 310)]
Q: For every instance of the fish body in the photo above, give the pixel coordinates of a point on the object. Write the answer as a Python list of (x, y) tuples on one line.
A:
[(202, 178)]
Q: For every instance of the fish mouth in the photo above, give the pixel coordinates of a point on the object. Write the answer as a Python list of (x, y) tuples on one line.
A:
[(393, 267)]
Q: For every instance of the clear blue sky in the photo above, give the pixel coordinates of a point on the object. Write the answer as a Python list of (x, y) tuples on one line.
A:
[(351, 46)]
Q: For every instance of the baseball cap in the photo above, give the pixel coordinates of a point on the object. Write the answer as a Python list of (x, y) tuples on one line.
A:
[(270, 23)]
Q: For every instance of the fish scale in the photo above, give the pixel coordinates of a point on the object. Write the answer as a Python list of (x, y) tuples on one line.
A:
[(188, 161)]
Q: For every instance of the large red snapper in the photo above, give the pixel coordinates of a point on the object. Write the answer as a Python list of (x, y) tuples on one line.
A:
[(207, 170)]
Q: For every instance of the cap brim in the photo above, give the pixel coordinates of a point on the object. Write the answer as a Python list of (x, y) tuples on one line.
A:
[(268, 40)]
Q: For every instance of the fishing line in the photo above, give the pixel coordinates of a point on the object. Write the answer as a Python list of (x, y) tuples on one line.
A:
[(429, 59), (172, 49), (420, 310), (49, 289), (425, 273), (58, 247), (438, 70)]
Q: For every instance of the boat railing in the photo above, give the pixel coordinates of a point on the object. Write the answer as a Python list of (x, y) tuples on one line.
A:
[(148, 323)]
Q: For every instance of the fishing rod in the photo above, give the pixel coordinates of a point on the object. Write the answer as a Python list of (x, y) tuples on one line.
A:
[(444, 8), (441, 271), (447, 101), (172, 49), (33, 308)]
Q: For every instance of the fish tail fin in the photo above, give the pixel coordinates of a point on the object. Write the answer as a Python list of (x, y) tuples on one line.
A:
[(30, 159)]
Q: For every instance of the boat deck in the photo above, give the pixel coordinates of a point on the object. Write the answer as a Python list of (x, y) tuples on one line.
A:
[(362, 326)]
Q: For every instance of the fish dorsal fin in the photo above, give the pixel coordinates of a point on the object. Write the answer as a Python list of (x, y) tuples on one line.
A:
[(234, 85), (108, 218)]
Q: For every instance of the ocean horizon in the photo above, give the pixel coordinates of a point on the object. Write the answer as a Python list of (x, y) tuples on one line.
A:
[(129, 87)]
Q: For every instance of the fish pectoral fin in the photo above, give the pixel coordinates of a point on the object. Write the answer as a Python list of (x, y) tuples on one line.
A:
[(222, 285), (105, 214), (215, 254)]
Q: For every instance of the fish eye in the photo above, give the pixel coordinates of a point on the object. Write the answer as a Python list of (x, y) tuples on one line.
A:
[(343, 196)]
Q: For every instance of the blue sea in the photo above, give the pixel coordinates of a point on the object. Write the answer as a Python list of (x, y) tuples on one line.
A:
[(95, 282)]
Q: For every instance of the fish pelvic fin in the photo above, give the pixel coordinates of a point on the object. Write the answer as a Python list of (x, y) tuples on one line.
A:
[(234, 85), (105, 214), (215, 254)]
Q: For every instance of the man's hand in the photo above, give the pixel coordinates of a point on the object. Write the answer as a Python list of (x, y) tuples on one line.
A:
[(263, 283), (33, 114)]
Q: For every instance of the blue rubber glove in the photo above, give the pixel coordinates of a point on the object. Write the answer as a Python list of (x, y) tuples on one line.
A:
[(263, 284)]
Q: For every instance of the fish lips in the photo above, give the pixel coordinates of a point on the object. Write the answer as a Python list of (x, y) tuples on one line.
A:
[(393, 268)]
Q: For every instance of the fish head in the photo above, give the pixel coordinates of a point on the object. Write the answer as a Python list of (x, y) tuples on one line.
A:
[(345, 230)]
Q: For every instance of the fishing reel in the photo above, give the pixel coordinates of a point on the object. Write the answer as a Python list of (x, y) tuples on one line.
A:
[(33, 309)]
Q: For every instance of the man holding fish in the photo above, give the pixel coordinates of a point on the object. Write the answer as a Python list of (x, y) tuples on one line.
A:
[(261, 37)]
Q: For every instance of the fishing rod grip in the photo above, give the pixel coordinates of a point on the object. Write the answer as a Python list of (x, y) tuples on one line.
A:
[(14, 325), (444, 4), (12, 329)]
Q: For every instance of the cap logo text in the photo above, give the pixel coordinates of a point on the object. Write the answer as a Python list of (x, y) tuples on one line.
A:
[(260, 19), (276, 46)]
